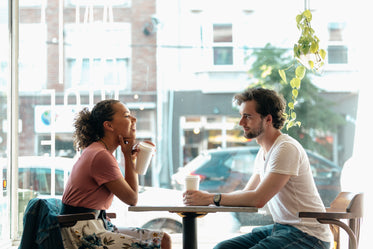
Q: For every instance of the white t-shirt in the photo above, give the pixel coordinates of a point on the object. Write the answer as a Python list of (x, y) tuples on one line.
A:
[(287, 156)]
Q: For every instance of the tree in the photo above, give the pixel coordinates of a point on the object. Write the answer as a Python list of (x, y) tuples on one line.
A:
[(314, 111)]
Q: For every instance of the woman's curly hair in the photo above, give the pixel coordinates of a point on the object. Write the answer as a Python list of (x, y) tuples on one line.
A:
[(88, 124), (267, 102)]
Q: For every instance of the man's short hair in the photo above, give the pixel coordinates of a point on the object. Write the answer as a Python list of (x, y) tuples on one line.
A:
[(267, 102)]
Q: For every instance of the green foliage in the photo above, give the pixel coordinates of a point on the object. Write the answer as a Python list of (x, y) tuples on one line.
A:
[(308, 43), (306, 105)]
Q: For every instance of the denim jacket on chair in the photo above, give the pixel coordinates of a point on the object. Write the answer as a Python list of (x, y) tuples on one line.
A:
[(41, 229)]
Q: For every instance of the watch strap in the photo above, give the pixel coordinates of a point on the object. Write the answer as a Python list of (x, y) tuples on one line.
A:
[(217, 198)]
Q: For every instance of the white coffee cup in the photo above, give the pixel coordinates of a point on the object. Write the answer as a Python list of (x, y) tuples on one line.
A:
[(145, 154), (191, 182)]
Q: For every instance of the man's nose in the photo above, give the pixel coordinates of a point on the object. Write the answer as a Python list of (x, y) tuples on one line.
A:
[(242, 120)]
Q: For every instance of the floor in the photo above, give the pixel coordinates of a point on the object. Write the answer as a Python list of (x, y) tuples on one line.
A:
[(204, 242)]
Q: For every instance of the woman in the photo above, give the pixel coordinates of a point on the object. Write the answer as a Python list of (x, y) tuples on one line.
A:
[(96, 178)]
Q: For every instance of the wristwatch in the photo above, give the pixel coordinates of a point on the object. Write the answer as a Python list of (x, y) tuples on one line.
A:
[(217, 198)]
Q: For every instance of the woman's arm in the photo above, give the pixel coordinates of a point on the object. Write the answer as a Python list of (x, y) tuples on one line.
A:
[(123, 191), (126, 189)]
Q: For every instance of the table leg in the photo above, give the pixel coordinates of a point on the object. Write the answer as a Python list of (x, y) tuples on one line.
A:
[(190, 231)]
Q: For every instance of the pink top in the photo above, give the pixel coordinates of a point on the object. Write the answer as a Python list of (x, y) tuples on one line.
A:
[(85, 187)]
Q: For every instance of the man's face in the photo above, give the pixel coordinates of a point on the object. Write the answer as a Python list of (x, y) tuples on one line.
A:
[(251, 121)]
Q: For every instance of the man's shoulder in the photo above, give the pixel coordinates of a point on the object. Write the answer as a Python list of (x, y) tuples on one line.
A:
[(286, 141)]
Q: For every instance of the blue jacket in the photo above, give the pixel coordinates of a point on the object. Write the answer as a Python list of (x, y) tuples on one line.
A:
[(41, 229)]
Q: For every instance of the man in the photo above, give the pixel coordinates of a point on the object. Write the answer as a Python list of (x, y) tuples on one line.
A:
[(282, 179)]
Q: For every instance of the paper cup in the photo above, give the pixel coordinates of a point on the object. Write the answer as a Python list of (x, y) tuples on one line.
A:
[(191, 182), (144, 156)]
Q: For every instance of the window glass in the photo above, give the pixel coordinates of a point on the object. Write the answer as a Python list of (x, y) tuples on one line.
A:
[(222, 32), (223, 55), (337, 50), (176, 65), (4, 125)]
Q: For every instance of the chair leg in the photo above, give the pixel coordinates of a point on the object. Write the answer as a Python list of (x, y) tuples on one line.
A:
[(349, 231), (335, 231), (354, 224)]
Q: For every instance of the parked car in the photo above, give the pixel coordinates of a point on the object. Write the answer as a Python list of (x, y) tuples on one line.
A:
[(34, 180), (226, 170), (34, 174)]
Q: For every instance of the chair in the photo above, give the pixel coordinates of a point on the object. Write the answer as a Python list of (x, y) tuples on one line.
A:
[(346, 206), (69, 220), (43, 221)]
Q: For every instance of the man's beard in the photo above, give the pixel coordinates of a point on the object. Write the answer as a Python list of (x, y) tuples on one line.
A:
[(254, 133)]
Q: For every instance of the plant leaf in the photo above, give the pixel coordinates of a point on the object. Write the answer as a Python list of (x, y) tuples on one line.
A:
[(291, 105), (300, 71), (322, 53), (293, 115), (289, 125), (298, 19), (295, 93), (282, 74), (311, 64), (314, 47), (308, 15), (295, 83)]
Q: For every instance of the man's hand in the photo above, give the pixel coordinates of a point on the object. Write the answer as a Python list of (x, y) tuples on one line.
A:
[(197, 198)]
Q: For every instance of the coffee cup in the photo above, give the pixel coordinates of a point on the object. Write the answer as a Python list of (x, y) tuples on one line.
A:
[(144, 156), (191, 182)]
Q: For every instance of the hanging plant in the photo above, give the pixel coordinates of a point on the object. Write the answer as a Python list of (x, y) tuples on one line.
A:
[(309, 55)]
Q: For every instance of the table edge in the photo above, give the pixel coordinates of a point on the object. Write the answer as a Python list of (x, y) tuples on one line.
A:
[(186, 209)]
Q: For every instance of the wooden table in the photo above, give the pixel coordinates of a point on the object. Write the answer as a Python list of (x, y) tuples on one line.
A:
[(189, 215)]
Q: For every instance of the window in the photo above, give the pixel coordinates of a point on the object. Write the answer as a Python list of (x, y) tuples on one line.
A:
[(223, 36), (33, 57), (337, 51), (126, 3), (97, 72), (5, 134), (178, 81)]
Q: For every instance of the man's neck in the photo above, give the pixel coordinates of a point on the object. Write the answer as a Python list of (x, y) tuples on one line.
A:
[(268, 139)]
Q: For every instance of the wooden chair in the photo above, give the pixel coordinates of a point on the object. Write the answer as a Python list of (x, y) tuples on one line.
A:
[(346, 206), (68, 220)]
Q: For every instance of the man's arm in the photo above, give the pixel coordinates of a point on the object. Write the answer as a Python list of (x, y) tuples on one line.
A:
[(267, 188), (253, 182), (258, 197)]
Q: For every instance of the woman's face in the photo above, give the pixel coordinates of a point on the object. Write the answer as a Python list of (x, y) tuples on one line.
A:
[(123, 122)]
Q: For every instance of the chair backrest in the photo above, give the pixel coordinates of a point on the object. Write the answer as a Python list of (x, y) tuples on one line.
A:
[(68, 220), (351, 203)]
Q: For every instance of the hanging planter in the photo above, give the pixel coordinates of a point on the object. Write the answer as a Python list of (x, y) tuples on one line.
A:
[(309, 55), (311, 61), (307, 50)]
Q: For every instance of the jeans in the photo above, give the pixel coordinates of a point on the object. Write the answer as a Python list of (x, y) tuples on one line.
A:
[(275, 236)]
